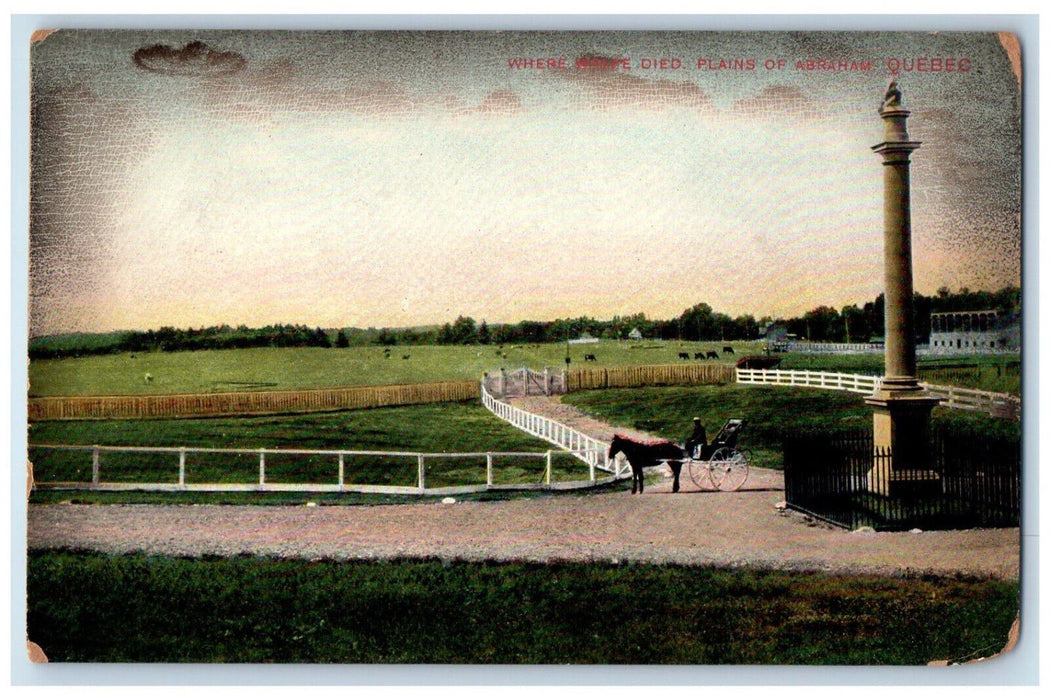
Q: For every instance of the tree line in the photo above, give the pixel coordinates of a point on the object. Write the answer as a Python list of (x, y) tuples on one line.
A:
[(852, 323), (168, 339)]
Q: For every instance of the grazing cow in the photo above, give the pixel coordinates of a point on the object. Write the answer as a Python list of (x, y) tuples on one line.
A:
[(683, 356), (149, 378), (590, 358), (711, 355), (698, 355), (647, 454), (405, 357), (728, 349)]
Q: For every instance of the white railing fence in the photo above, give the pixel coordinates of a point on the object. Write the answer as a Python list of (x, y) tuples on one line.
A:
[(856, 383), (990, 402), (994, 404), (595, 452), (415, 467)]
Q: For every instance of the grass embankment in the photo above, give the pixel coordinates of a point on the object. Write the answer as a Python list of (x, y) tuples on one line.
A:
[(96, 608), (771, 412), (431, 428)]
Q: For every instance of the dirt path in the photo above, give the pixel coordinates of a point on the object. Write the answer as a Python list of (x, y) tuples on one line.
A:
[(690, 527), (553, 408)]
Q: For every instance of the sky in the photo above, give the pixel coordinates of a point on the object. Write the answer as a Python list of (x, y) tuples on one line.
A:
[(395, 178)]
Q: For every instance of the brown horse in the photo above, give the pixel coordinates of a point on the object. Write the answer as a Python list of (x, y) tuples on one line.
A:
[(647, 454)]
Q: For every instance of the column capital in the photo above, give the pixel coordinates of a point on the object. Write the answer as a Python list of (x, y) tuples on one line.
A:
[(895, 151)]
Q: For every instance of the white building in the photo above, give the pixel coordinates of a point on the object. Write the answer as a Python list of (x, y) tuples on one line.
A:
[(584, 339), (972, 332)]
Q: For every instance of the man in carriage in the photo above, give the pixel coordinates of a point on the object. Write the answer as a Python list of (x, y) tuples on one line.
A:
[(695, 444)]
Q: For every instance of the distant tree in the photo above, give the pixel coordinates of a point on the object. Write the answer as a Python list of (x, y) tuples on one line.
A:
[(341, 341), (464, 331), (320, 339), (484, 336), (697, 323), (823, 324)]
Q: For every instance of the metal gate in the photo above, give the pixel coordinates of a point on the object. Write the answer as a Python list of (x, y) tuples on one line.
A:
[(525, 382)]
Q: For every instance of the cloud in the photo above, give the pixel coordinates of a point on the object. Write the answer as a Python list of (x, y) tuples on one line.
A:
[(613, 87), (775, 100), (495, 103), (195, 59)]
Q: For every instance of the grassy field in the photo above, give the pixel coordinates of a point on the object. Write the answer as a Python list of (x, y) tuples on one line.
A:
[(259, 369), (435, 428), (771, 413), (96, 608), (254, 369)]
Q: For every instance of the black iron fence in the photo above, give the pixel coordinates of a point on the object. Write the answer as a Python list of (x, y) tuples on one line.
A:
[(966, 480)]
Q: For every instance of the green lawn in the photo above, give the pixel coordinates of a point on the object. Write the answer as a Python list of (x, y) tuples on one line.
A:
[(771, 413), (98, 608), (433, 428)]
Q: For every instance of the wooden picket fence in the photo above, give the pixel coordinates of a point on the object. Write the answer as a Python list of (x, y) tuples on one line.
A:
[(247, 403), (651, 375)]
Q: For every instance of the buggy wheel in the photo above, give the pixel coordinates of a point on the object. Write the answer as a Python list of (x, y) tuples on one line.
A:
[(700, 474), (720, 465), (736, 469)]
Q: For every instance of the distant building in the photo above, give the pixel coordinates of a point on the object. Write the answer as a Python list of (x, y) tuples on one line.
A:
[(778, 339), (973, 332), (584, 339), (635, 335)]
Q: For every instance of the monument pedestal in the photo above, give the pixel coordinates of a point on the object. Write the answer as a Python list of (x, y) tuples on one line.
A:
[(903, 459)]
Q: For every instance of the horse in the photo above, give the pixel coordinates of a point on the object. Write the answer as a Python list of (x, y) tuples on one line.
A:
[(683, 356), (728, 350), (647, 454), (590, 358), (712, 355)]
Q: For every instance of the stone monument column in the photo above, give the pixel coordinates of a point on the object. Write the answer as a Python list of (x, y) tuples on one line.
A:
[(901, 406)]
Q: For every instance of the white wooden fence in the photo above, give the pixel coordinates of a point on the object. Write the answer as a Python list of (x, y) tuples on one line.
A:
[(594, 452), (420, 464), (994, 404), (856, 383)]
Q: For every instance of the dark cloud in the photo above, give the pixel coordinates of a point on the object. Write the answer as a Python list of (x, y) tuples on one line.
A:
[(195, 59)]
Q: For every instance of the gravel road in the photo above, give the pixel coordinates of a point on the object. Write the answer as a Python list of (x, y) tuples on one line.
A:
[(690, 527)]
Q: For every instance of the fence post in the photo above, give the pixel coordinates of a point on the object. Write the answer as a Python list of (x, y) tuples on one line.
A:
[(548, 468), (546, 381), (95, 466), (488, 468), (342, 470), (262, 467), (422, 474), (182, 467)]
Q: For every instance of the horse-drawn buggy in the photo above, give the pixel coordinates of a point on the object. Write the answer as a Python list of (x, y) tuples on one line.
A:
[(721, 464), (718, 465)]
